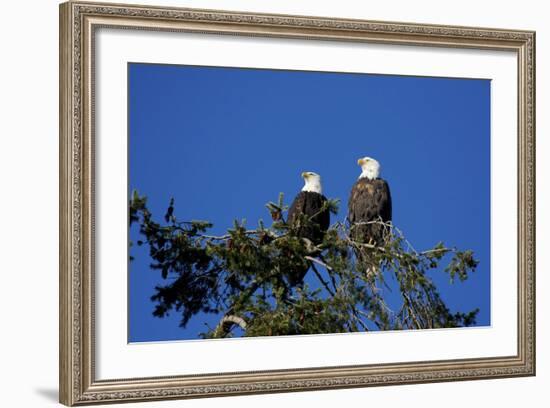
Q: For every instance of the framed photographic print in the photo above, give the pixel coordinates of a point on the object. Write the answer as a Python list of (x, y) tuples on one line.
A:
[(256, 203)]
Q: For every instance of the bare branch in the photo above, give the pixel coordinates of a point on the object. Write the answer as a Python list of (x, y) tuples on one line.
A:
[(325, 284), (317, 261), (226, 324)]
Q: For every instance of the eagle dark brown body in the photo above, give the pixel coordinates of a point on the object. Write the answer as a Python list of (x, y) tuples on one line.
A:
[(370, 200), (310, 204), (307, 206)]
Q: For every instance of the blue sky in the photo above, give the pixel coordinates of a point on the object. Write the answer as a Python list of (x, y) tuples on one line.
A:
[(224, 141)]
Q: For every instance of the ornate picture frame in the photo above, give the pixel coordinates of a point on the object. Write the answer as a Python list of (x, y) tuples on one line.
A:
[(79, 22)]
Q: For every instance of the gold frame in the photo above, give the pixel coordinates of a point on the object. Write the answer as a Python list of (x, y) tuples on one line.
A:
[(78, 21)]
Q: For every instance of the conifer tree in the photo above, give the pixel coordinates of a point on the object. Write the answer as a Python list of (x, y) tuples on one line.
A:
[(243, 277)]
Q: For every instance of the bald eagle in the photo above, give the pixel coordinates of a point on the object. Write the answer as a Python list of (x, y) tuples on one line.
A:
[(309, 218), (369, 202), (309, 202)]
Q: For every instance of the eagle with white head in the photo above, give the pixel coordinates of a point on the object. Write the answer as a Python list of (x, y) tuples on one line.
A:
[(369, 204), (309, 203), (308, 218)]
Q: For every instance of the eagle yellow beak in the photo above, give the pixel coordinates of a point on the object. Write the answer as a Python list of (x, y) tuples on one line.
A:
[(304, 174), (360, 162)]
